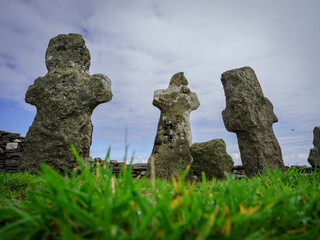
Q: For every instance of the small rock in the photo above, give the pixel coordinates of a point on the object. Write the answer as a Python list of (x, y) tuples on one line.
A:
[(99, 160), (211, 158), (114, 162), (11, 163), (15, 155), (12, 145)]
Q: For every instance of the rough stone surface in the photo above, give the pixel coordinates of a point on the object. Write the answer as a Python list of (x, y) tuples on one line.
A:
[(171, 146), (250, 115), (65, 99), (211, 158), (314, 155)]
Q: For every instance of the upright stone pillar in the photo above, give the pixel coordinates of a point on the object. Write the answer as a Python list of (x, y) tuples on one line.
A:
[(314, 155), (171, 146), (250, 115), (65, 99)]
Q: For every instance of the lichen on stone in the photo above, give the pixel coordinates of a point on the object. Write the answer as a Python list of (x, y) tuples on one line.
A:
[(171, 146), (211, 158), (65, 99), (250, 115)]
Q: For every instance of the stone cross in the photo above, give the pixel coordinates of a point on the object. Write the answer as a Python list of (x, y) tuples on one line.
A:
[(314, 155), (173, 139), (65, 99), (250, 115)]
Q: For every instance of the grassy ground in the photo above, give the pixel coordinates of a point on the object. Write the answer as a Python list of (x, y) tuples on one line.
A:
[(96, 205)]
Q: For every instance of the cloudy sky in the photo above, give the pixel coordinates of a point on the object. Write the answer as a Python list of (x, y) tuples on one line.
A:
[(140, 44)]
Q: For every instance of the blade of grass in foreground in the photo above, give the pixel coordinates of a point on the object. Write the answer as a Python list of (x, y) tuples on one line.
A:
[(93, 204)]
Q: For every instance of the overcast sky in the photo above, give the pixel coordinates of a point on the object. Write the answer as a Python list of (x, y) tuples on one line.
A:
[(140, 44)]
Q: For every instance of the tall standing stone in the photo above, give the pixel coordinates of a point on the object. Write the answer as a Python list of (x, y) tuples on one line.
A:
[(250, 115), (65, 99), (314, 155), (171, 146)]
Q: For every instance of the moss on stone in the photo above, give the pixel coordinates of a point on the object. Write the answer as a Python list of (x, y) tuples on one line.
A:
[(65, 98), (171, 145), (211, 158)]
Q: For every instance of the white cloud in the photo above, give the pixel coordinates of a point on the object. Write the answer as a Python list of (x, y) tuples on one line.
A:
[(140, 44)]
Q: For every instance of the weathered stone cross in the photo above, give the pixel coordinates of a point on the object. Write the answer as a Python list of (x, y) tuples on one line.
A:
[(65, 99), (173, 139)]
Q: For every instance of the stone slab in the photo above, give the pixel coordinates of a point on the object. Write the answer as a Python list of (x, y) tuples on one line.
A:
[(12, 145)]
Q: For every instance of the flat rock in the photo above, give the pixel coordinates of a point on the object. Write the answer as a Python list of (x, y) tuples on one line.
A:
[(12, 145), (11, 163)]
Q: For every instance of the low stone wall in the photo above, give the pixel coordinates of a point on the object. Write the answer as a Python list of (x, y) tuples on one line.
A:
[(11, 147), (239, 172), (138, 169)]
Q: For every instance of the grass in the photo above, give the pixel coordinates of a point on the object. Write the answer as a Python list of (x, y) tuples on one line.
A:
[(96, 205)]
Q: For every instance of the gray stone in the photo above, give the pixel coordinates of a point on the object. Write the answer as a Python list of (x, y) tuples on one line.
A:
[(114, 162), (12, 145), (211, 158), (11, 163), (15, 155), (97, 160), (11, 135), (65, 99), (314, 155), (171, 146), (250, 115)]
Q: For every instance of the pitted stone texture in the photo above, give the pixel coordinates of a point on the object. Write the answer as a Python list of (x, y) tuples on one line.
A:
[(67, 52), (171, 146), (65, 99), (211, 158), (250, 115), (314, 155)]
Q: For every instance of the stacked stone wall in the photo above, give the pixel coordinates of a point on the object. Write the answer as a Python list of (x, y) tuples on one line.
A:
[(138, 169), (11, 147)]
